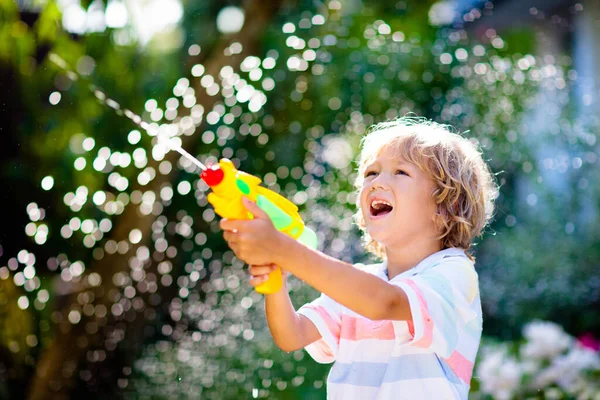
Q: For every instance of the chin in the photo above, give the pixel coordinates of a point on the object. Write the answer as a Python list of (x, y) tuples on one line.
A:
[(381, 238), (389, 239)]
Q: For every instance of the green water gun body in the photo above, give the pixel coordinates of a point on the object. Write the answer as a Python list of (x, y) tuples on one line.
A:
[(229, 186)]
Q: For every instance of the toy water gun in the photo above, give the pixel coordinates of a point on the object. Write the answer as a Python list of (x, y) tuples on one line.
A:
[(229, 186)]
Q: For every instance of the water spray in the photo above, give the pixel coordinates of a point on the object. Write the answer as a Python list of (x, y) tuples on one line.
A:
[(228, 185), (163, 140)]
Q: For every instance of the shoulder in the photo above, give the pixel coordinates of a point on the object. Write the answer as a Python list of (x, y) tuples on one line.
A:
[(458, 270), (453, 259)]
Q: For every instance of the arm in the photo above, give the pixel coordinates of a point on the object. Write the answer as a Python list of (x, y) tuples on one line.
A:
[(357, 290), (290, 330), (257, 242)]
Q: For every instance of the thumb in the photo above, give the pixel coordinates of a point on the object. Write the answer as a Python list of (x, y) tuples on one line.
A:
[(254, 209)]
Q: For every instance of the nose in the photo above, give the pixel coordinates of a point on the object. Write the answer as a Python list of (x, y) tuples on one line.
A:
[(380, 181)]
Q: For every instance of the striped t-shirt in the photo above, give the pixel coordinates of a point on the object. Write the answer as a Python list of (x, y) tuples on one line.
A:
[(430, 358)]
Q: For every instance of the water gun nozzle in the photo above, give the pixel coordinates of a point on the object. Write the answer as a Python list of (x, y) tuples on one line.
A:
[(213, 175)]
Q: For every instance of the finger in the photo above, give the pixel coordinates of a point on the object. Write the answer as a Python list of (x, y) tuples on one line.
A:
[(256, 270), (230, 237), (229, 224), (257, 280), (254, 209)]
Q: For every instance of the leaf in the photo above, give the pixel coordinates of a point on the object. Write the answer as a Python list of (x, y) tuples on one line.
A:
[(49, 23)]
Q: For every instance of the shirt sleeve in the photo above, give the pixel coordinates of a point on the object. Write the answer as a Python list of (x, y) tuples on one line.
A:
[(446, 310), (325, 313)]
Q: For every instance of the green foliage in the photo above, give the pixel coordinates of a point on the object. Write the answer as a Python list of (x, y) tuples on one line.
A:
[(18, 334), (48, 25)]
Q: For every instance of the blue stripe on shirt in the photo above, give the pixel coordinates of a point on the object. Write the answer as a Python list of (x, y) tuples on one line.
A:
[(408, 366)]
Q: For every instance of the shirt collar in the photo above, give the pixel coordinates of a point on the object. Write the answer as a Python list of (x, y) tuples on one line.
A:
[(425, 264)]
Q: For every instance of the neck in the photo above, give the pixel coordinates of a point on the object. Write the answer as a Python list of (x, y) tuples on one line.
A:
[(403, 258)]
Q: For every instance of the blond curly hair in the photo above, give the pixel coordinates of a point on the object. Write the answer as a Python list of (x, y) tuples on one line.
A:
[(465, 188)]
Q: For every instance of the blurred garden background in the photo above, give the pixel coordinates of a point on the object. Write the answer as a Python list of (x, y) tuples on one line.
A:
[(115, 281)]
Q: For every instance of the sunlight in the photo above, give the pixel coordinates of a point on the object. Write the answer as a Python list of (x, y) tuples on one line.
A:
[(147, 18)]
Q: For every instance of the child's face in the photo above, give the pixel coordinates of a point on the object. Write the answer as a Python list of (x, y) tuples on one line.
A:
[(396, 201)]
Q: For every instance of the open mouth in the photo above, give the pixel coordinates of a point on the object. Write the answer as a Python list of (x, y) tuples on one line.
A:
[(379, 208)]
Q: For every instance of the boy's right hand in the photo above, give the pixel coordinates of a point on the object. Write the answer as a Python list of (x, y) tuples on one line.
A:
[(260, 273)]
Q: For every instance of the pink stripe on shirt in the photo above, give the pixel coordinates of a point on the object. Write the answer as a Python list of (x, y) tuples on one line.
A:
[(332, 325), (355, 329), (462, 367), (426, 319)]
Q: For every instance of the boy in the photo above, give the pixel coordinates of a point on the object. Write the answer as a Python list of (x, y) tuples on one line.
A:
[(410, 327)]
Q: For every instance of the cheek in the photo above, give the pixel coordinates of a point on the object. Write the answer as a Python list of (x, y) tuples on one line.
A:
[(421, 207), (364, 207), (364, 191)]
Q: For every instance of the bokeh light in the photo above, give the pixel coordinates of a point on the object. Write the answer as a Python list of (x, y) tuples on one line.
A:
[(230, 19)]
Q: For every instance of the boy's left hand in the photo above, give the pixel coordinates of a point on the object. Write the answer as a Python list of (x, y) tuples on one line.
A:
[(253, 241)]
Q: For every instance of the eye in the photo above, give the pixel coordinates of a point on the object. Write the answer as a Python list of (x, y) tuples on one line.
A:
[(401, 172), (370, 173)]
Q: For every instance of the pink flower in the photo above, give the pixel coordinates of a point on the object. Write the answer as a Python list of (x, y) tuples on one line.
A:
[(588, 340)]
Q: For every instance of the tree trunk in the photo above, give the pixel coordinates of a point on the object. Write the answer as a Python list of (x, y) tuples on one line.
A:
[(59, 362)]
